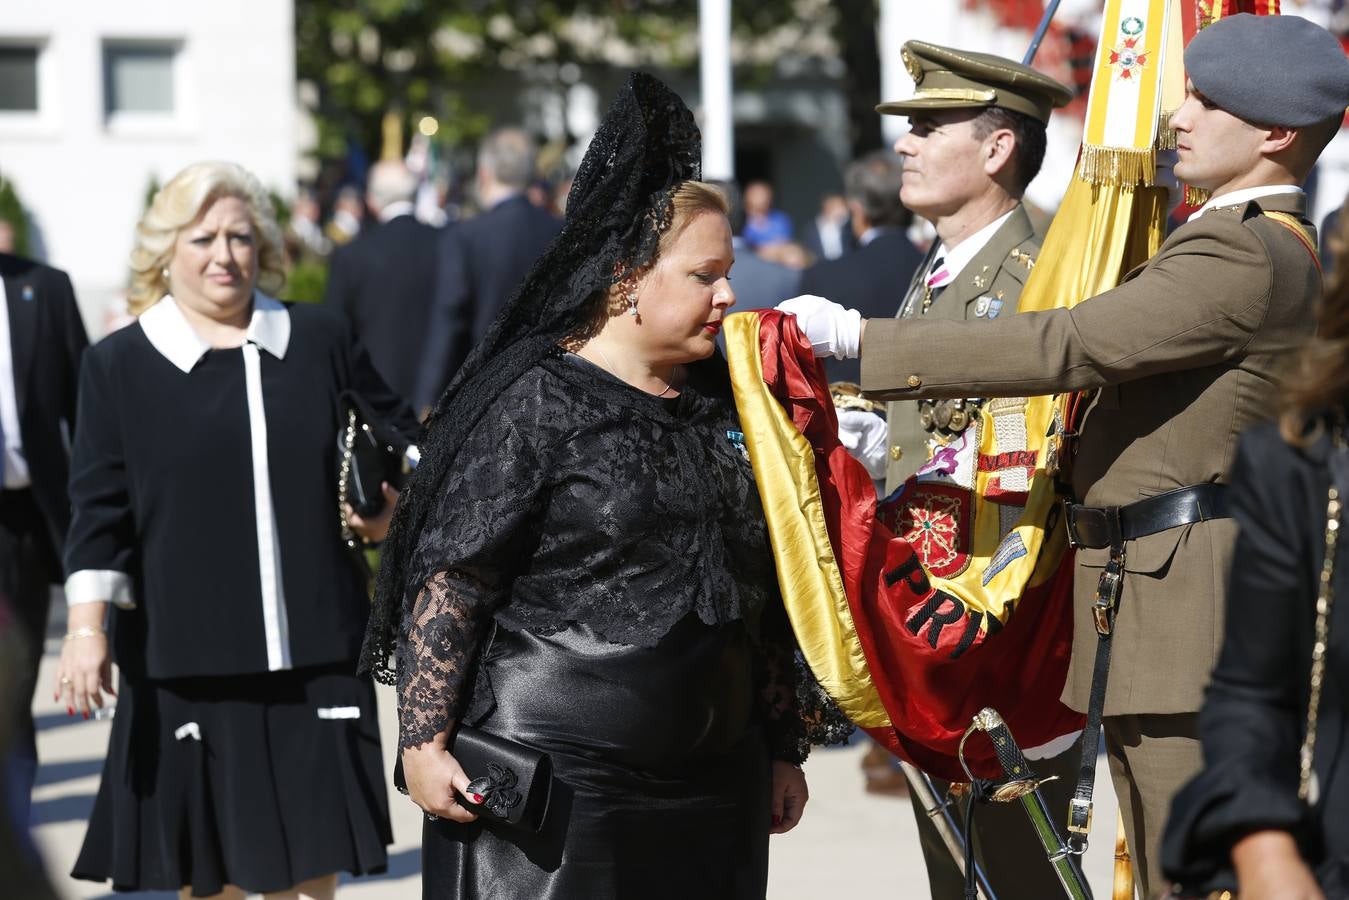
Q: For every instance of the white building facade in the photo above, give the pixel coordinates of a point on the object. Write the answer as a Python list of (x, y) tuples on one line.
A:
[(99, 100)]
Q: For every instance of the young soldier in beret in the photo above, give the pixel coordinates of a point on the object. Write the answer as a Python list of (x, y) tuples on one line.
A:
[(976, 140), (1186, 353)]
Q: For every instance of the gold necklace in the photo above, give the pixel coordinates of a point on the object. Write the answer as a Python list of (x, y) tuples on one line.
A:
[(613, 371)]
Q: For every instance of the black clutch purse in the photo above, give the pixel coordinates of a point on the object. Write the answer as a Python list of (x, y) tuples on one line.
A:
[(515, 781)]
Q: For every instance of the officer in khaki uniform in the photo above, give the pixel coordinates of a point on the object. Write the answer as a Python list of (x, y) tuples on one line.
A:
[(988, 286), (976, 139), (1187, 352)]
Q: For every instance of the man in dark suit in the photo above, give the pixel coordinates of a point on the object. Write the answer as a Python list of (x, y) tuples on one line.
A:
[(484, 259), (830, 235), (41, 341), (383, 281), (871, 276)]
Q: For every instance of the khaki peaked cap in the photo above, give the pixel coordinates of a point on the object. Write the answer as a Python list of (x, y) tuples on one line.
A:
[(946, 78)]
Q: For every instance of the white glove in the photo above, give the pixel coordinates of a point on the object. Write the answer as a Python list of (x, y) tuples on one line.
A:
[(832, 329), (865, 435)]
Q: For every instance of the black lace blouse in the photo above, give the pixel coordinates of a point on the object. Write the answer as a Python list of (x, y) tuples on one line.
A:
[(579, 498)]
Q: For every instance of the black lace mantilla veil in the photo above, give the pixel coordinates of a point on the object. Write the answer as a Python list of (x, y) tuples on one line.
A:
[(619, 205)]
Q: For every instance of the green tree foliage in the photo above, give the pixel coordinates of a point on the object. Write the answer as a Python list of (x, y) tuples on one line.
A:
[(11, 211), (364, 58)]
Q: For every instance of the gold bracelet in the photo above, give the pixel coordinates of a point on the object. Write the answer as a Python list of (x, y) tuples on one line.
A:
[(88, 631)]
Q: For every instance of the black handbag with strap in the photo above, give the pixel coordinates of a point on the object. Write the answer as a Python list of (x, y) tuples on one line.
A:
[(369, 451)]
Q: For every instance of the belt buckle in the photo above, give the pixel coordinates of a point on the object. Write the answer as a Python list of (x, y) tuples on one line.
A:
[(1079, 816), (1070, 520), (1107, 593), (1101, 612)]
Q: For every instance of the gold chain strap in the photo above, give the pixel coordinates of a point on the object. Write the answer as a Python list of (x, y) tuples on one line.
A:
[(344, 481), (1307, 789)]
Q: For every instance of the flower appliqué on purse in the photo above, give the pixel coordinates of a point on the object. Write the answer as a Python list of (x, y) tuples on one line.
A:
[(498, 790)]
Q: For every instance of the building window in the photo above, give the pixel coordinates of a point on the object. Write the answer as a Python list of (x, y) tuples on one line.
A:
[(18, 78), (138, 78)]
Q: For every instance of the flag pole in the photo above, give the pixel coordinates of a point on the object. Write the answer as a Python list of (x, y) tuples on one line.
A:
[(1051, 8)]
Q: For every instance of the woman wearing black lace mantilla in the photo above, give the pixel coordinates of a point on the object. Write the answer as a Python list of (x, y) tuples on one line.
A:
[(581, 563)]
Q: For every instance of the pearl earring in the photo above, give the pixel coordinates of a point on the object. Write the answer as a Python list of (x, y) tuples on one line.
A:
[(632, 303), (164, 273)]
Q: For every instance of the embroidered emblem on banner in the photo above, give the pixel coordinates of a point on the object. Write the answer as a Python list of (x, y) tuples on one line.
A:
[(737, 439), (1011, 549), (1128, 59), (937, 520)]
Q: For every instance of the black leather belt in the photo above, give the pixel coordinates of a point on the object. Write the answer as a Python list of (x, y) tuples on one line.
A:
[(1096, 528), (1113, 526)]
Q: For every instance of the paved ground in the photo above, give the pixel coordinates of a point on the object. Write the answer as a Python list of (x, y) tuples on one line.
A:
[(849, 844)]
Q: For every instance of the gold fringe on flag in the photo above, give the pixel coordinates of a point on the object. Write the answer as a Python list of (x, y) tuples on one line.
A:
[(1117, 167), (1166, 135)]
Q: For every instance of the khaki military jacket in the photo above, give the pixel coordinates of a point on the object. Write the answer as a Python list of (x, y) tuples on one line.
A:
[(1187, 352), (988, 287)]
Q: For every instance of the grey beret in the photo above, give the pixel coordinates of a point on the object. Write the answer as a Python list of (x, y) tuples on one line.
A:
[(1270, 70)]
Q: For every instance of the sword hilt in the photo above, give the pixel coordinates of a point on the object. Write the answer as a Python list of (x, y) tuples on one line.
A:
[(1020, 777)]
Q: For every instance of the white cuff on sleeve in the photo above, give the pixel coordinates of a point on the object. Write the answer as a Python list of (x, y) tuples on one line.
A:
[(95, 585)]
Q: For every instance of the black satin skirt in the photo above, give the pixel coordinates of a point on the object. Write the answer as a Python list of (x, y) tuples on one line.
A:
[(661, 777)]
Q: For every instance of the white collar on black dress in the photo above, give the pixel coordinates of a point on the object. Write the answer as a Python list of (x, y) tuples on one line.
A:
[(169, 332)]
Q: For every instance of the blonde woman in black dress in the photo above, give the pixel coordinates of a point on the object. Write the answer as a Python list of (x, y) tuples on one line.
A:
[(244, 756)]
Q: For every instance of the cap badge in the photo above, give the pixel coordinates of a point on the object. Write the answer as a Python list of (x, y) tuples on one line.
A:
[(911, 63)]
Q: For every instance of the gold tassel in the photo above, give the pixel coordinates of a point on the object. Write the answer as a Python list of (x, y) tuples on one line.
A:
[(1117, 167), (1166, 135)]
